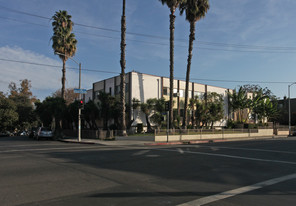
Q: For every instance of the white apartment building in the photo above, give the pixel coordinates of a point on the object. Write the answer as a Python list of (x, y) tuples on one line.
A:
[(145, 86)]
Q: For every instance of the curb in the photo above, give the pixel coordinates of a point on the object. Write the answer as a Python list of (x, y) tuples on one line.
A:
[(185, 142), (210, 141), (72, 141)]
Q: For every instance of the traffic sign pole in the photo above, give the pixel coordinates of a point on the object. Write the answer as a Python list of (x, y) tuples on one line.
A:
[(79, 109)]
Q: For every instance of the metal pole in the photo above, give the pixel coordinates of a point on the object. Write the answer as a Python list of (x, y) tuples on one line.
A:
[(289, 109), (79, 109), (167, 126)]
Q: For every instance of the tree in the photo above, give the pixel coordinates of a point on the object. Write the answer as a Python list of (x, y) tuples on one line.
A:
[(23, 100), (91, 114), (52, 110), (215, 108), (8, 115), (107, 105), (63, 40), (173, 5), (122, 75), (238, 101), (147, 109), (157, 110), (70, 96), (195, 10)]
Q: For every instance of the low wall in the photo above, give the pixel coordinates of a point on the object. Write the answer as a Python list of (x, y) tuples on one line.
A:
[(171, 138)]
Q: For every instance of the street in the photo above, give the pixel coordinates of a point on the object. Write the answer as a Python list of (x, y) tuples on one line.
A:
[(51, 173)]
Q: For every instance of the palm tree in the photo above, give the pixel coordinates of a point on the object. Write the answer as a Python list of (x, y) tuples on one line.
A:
[(195, 10), (173, 5), (122, 75), (238, 102), (63, 41)]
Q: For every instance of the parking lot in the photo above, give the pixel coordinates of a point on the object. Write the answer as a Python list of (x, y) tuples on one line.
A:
[(257, 172)]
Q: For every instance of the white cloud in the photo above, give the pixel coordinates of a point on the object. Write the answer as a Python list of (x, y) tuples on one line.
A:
[(44, 80)]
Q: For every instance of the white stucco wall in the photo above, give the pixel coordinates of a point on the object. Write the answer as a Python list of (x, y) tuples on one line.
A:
[(145, 86)]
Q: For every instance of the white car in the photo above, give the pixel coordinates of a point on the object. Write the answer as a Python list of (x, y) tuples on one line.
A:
[(44, 132)]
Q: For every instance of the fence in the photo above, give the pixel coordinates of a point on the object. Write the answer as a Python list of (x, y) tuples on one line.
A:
[(200, 134)]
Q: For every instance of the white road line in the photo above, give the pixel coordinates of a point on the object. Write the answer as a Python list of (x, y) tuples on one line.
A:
[(232, 156), (141, 152), (27, 145), (46, 149), (248, 149), (238, 191)]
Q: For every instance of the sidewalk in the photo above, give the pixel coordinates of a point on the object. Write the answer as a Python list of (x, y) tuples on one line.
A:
[(149, 141), (119, 141)]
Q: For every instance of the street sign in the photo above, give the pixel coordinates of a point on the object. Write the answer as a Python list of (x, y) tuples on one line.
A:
[(80, 91)]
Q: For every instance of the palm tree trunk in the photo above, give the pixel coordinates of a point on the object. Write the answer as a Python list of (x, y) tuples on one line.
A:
[(191, 39), (148, 123), (63, 78), (172, 37), (122, 75)]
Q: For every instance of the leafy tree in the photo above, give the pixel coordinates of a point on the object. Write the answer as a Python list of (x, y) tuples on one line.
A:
[(91, 113), (8, 115), (172, 5), (122, 75), (52, 110), (63, 40), (23, 99), (108, 106), (70, 96), (209, 110), (238, 101), (158, 108), (215, 108), (195, 10), (147, 109)]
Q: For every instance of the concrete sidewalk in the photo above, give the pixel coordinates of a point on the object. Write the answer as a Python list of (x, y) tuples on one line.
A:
[(119, 141), (149, 141)]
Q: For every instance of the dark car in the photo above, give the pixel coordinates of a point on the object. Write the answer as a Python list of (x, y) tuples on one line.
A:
[(44, 132), (33, 132)]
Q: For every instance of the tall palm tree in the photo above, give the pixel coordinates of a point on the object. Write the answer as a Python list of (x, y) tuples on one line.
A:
[(195, 10), (122, 75), (173, 5), (63, 40)]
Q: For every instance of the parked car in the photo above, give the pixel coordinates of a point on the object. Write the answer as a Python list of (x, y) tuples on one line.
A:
[(44, 132), (33, 132), (5, 134), (23, 133)]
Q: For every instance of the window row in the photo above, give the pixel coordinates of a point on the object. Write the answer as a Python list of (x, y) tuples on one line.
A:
[(198, 95)]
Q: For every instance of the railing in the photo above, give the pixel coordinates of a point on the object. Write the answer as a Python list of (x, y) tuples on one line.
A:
[(203, 131)]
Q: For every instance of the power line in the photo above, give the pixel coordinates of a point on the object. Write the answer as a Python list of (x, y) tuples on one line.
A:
[(164, 44), (91, 70), (55, 66), (241, 81), (207, 43)]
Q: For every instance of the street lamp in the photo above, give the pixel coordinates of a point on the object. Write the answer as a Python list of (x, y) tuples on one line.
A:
[(79, 109), (290, 107)]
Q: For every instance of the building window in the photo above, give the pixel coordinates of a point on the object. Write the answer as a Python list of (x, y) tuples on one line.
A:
[(181, 93), (117, 89), (199, 95), (166, 91), (126, 87), (110, 90)]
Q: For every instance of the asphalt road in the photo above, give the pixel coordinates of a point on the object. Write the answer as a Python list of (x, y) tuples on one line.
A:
[(52, 173)]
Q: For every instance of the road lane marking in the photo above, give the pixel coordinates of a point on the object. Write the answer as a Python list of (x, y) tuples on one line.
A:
[(141, 152), (232, 156), (238, 191), (48, 149), (247, 149)]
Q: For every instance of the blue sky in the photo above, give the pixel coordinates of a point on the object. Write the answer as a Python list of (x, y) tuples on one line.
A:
[(245, 40)]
